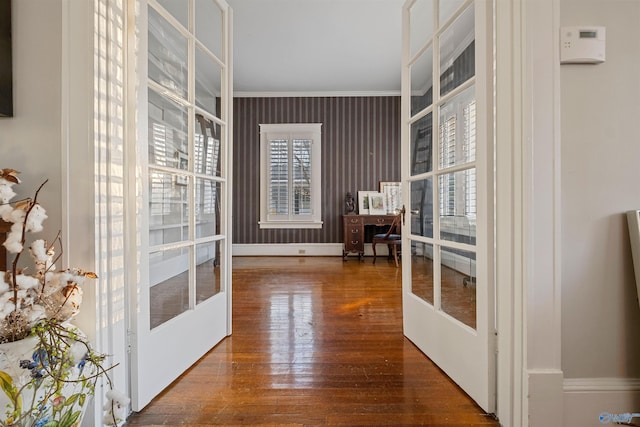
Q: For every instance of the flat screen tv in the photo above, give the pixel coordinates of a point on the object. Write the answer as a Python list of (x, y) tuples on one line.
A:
[(6, 74)]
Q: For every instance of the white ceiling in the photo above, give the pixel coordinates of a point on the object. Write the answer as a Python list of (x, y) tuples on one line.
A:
[(347, 46)]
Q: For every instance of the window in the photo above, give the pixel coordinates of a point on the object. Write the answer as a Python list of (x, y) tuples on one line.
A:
[(458, 190), (290, 159)]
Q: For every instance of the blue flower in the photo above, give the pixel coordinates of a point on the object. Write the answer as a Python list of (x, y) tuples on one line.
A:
[(40, 356), (36, 366), (42, 422)]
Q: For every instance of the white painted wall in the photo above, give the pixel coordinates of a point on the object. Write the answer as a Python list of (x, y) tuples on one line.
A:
[(30, 141), (600, 107)]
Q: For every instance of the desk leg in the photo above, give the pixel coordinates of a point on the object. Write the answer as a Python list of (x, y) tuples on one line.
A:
[(345, 255)]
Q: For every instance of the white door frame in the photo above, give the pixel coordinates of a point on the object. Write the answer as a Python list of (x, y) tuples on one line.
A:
[(93, 175), (93, 130), (528, 213), (526, 29)]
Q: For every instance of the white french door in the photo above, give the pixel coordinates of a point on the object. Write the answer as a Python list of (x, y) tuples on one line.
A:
[(448, 292), (183, 169)]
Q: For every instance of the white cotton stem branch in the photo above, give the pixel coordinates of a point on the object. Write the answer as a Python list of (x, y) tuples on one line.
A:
[(14, 265), (53, 262)]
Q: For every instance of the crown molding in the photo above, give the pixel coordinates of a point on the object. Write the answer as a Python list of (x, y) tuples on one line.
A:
[(315, 94)]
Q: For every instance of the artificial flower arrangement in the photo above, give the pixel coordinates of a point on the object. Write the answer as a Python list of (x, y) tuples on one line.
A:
[(50, 387)]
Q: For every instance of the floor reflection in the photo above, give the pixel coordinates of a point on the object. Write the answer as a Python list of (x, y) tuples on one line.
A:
[(171, 297), (316, 342)]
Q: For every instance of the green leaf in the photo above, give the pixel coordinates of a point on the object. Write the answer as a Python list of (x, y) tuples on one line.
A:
[(83, 398), (52, 424), (6, 382), (71, 400), (69, 418)]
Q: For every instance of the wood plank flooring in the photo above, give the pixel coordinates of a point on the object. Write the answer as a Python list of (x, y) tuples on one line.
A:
[(316, 342)]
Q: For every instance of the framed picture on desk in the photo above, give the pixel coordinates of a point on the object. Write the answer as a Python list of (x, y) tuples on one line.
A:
[(393, 196), (363, 202), (377, 204), (372, 203)]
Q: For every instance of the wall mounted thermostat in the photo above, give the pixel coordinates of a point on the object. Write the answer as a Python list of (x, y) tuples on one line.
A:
[(582, 45)]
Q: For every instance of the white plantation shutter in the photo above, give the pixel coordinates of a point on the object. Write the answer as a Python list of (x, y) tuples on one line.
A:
[(302, 176), (470, 155), (278, 177), (455, 149), (447, 157), (290, 175)]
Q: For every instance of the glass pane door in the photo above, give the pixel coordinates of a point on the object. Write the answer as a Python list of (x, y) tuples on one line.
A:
[(448, 312), (184, 177)]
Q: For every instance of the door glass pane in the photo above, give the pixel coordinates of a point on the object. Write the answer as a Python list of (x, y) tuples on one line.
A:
[(457, 52), (207, 209), (422, 145), (167, 132), (301, 150), (209, 26), (447, 8), (207, 160), (422, 82), (169, 281), (167, 55), (422, 270), (422, 207), (420, 24), (168, 220), (207, 270), (458, 206), (208, 83), (458, 285), (178, 9), (457, 130)]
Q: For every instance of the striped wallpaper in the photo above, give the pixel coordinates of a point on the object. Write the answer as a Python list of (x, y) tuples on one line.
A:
[(360, 147)]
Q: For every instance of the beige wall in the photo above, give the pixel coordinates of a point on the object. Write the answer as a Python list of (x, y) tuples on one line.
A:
[(600, 107), (30, 141)]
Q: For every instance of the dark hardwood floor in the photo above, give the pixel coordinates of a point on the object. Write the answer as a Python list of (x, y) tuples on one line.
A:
[(316, 342)]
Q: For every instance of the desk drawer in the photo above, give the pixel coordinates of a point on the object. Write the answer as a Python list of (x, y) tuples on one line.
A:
[(354, 239), (379, 220), (350, 220)]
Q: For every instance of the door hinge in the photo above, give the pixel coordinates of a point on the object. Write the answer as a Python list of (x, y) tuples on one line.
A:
[(130, 334)]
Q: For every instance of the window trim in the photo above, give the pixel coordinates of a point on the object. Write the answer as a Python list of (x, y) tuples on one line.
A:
[(311, 131)]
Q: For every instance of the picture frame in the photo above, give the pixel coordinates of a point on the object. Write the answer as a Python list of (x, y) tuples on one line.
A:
[(363, 202), (377, 203), (393, 195)]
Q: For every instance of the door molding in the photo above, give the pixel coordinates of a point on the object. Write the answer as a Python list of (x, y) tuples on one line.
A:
[(92, 181), (528, 213)]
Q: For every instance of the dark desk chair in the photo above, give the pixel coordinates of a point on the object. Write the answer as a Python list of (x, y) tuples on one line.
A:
[(391, 238)]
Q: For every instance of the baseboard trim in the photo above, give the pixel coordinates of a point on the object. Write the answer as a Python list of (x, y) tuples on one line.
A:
[(585, 385), (545, 406), (288, 249), (299, 249), (586, 400)]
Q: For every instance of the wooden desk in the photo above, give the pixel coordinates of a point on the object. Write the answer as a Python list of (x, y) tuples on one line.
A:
[(4, 229), (353, 231)]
